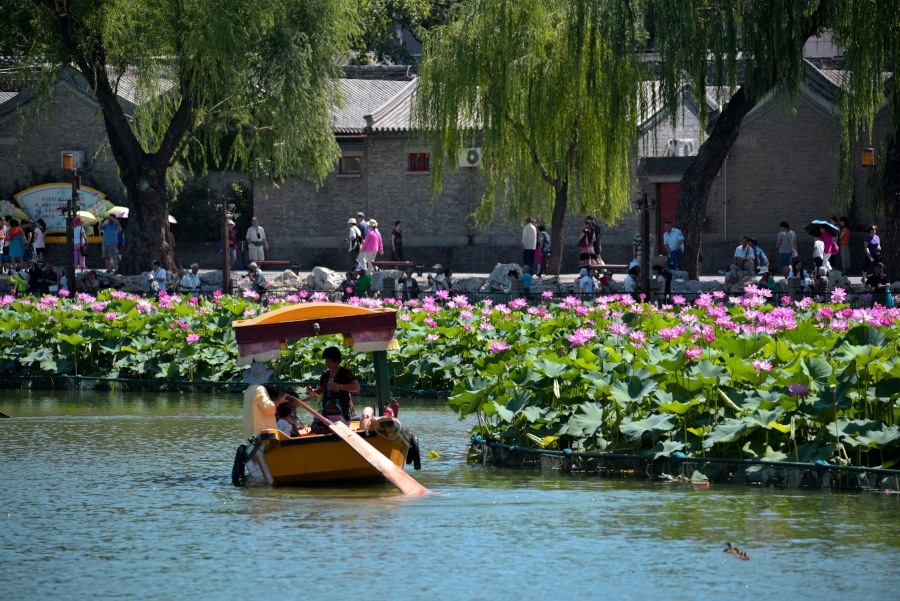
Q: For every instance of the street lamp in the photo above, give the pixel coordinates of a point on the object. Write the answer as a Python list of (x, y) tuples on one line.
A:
[(644, 205), (227, 211), (68, 164)]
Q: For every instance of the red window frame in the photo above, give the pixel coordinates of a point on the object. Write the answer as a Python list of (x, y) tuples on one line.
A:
[(419, 161)]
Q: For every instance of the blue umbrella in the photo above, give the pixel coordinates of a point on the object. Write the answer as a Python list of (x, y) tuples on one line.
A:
[(815, 227)]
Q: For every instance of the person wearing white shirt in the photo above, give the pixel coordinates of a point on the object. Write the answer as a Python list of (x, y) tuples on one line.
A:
[(743, 258), (529, 243), (585, 282), (673, 244), (190, 282), (157, 277), (632, 280), (257, 243)]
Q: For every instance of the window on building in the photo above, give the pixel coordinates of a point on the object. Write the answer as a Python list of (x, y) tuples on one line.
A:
[(350, 165), (419, 161)]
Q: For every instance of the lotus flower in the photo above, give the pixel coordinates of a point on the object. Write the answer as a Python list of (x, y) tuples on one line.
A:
[(762, 365), (693, 352), (498, 346), (798, 389)]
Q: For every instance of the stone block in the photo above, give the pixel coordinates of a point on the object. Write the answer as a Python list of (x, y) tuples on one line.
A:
[(324, 279), (379, 277), (499, 279)]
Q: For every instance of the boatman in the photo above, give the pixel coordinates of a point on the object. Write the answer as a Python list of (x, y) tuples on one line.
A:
[(259, 408)]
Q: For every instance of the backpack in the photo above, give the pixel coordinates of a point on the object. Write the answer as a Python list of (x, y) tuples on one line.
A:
[(544, 242), (357, 241), (760, 256)]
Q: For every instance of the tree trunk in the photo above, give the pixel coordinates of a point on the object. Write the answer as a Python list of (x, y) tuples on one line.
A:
[(557, 226), (147, 233), (890, 230), (697, 180)]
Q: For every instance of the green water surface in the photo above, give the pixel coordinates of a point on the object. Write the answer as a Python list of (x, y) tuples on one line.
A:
[(128, 496)]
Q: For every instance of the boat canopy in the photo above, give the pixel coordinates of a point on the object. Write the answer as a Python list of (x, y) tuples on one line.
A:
[(265, 336)]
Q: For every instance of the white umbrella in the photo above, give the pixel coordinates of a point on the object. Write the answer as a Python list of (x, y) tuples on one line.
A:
[(124, 215)]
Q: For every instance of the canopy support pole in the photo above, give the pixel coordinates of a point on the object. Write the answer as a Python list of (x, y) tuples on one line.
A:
[(382, 380)]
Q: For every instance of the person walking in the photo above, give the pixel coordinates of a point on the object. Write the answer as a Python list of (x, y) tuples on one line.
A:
[(873, 249), (529, 243), (39, 238), (598, 247), (819, 251), (786, 242), (545, 246), (372, 245), (361, 224), (16, 238), (844, 245), (673, 245), (354, 242), (257, 243), (397, 241)]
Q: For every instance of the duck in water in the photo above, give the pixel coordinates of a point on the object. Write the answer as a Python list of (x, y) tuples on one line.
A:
[(729, 548)]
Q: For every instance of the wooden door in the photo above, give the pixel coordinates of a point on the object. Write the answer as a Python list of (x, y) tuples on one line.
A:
[(667, 197)]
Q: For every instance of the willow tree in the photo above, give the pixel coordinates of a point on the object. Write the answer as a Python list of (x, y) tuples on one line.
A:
[(756, 47), (549, 90), (869, 32), (233, 83)]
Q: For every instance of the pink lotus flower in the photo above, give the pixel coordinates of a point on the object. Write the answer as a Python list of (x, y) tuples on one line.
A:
[(617, 328), (581, 336), (251, 294), (638, 336), (304, 294), (498, 346), (319, 297), (111, 315), (64, 293), (762, 365), (405, 317), (192, 338), (484, 326), (430, 322), (465, 315), (678, 299), (548, 294), (442, 294), (518, 303), (838, 295), (693, 352), (432, 338)]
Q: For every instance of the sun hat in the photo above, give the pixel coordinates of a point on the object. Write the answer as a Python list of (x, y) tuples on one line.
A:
[(257, 373), (583, 271), (437, 266), (253, 265), (373, 223), (360, 214), (351, 221), (763, 270)]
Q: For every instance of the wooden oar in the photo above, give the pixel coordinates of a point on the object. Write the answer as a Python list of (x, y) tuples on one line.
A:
[(406, 483), (3, 415)]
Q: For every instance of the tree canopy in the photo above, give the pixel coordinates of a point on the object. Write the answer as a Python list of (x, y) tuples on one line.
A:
[(545, 88), (246, 84)]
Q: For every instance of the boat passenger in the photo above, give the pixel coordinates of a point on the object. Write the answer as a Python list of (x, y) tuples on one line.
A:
[(286, 421), (259, 409), (335, 387)]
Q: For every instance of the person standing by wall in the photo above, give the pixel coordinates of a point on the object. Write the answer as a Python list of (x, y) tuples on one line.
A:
[(598, 246), (80, 237), (873, 249), (586, 256), (786, 242), (397, 241), (545, 246), (40, 242), (232, 243), (844, 245), (257, 243), (529, 243), (673, 245), (109, 229)]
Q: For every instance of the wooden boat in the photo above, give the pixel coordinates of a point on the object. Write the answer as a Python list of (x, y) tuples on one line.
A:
[(273, 458)]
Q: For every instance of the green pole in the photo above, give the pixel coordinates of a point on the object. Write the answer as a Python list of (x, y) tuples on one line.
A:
[(382, 380)]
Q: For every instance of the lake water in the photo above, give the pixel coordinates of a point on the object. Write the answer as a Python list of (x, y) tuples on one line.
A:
[(108, 495)]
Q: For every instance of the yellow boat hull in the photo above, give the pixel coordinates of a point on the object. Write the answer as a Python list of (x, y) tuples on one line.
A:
[(279, 460)]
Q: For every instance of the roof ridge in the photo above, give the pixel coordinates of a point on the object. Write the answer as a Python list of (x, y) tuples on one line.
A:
[(391, 104)]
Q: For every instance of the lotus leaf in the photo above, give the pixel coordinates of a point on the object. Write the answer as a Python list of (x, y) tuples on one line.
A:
[(727, 431), (632, 391), (587, 421), (881, 438), (664, 449), (654, 425)]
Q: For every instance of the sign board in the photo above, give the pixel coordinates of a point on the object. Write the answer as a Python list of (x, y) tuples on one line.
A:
[(48, 201)]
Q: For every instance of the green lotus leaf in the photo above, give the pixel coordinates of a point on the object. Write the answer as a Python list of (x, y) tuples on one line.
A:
[(632, 391), (586, 421), (550, 369), (879, 439), (818, 370), (678, 407), (863, 335), (664, 448), (804, 333), (742, 346), (654, 425), (764, 418), (500, 411), (727, 431)]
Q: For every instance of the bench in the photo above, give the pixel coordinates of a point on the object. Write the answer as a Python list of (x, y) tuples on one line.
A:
[(407, 266), (292, 265)]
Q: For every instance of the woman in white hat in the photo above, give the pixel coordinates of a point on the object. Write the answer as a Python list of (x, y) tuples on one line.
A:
[(371, 246)]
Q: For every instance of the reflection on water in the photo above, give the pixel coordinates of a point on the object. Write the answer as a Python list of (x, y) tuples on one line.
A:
[(129, 496)]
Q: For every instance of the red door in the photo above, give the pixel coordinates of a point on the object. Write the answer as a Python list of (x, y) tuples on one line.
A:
[(667, 196)]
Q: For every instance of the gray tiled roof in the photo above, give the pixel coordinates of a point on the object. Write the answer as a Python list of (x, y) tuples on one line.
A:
[(4, 96), (394, 115), (362, 97)]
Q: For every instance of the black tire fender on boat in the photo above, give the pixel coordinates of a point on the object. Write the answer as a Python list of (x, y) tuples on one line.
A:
[(237, 471), (413, 456)]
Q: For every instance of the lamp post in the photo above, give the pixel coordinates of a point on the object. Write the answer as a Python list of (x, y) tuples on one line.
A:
[(227, 211), (68, 164), (644, 204)]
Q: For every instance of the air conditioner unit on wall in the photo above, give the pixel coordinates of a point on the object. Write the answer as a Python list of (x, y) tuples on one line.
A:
[(78, 156), (470, 157), (680, 147)]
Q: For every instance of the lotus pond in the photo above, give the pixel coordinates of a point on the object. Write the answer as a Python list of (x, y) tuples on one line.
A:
[(727, 377)]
